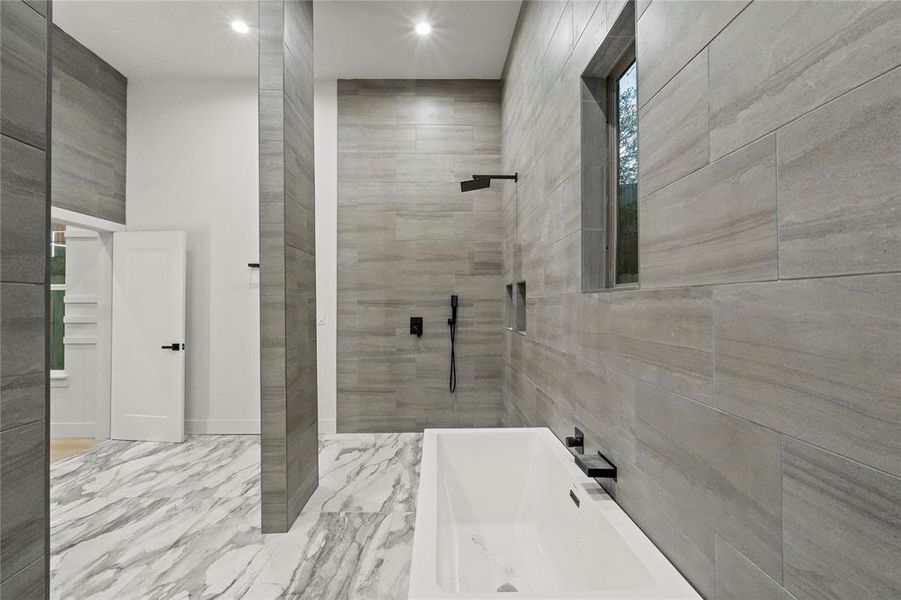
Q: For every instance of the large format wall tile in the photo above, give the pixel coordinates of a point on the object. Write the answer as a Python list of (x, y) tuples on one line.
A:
[(24, 207), (28, 584), (665, 338), (816, 359), (23, 73), (23, 246), (23, 468), (727, 469), (673, 139), (778, 60), (671, 33), (288, 263), (675, 527), (840, 185), (407, 240), (717, 225), (89, 128), (737, 578), (22, 362), (700, 463), (842, 527)]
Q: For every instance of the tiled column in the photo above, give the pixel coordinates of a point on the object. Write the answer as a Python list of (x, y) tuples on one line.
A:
[(290, 470), (24, 211)]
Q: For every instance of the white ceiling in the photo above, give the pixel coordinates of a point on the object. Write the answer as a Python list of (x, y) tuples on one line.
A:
[(374, 39), (160, 39)]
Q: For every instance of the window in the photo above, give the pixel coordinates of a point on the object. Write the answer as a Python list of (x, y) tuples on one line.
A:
[(622, 205), (57, 296), (609, 137)]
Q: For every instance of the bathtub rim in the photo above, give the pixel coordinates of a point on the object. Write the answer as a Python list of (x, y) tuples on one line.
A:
[(423, 584)]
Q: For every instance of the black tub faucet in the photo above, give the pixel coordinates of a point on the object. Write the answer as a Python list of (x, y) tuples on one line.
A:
[(594, 466)]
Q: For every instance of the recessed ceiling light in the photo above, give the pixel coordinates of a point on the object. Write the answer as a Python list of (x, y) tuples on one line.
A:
[(423, 28), (240, 26)]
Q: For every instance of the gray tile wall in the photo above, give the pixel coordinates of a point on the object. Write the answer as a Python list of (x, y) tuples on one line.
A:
[(407, 240), (24, 210), (749, 391), (290, 468), (89, 108)]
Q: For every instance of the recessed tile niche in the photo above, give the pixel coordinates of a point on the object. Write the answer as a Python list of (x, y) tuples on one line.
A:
[(519, 307), (509, 315)]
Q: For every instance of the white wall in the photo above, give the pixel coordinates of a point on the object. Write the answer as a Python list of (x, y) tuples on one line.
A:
[(192, 165), (325, 110)]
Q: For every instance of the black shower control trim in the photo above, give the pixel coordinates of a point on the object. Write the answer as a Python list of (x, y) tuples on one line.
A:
[(577, 442), (416, 326)]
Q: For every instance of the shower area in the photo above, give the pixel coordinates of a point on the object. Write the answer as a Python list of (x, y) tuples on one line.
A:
[(420, 303)]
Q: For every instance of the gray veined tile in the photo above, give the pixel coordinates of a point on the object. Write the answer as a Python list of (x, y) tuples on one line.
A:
[(840, 185), (717, 225), (89, 131), (663, 337), (23, 526), (842, 526), (673, 138), (726, 469), (23, 73), (447, 139), (28, 583), (737, 578), (24, 208), (778, 60), (817, 360), (376, 138), (23, 372), (669, 34)]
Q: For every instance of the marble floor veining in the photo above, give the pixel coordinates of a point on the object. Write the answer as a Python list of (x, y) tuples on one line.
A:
[(156, 521)]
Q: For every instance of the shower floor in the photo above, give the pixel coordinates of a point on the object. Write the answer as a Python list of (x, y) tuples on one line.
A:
[(147, 520)]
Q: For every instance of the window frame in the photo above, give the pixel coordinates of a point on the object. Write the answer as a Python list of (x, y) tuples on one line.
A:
[(620, 67)]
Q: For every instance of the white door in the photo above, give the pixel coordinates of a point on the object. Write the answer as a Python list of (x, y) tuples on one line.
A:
[(148, 366)]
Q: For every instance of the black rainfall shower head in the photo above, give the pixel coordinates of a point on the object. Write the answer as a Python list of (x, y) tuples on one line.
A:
[(475, 184), (480, 182)]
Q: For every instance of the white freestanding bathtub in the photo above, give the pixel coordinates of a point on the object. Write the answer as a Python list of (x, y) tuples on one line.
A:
[(495, 518)]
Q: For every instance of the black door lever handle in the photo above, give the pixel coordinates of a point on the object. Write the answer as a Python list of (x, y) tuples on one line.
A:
[(175, 347)]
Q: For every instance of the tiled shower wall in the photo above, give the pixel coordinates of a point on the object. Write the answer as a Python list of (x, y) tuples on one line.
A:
[(24, 211), (407, 240), (749, 392), (289, 430)]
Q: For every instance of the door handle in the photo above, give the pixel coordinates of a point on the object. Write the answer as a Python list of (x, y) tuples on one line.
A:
[(174, 347)]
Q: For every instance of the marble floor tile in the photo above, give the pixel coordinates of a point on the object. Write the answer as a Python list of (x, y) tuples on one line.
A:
[(355, 555), (202, 467), (138, 520), (368, 473)]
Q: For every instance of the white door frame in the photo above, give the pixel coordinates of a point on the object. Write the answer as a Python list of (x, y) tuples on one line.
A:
[(104, 309)]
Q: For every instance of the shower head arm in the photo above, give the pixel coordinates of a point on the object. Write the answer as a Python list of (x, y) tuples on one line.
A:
[(514, 177)]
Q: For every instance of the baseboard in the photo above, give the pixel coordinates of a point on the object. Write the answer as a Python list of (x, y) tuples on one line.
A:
[(328, 426), (222, 426), (72, 430)]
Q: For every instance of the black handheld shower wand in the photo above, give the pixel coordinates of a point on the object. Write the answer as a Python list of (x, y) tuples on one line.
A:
[(452, 323)]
